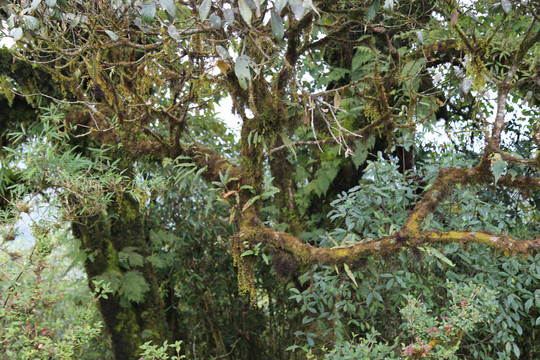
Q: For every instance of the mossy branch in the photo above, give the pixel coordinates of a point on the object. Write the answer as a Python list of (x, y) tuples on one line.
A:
[(354, 255)]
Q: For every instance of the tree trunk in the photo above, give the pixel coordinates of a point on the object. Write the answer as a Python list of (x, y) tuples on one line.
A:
[(103, 236)]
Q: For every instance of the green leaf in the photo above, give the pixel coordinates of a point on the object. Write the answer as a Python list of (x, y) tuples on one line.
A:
[(241, 69), (250, 202), (222, 52), (156, 261), (277, 25), (112, 35), (372, 10), (507, 7), (173, 32), (498, 168), (360, 153), (245, 11), (34, 5), (363, 55), (247, 253), (31, 22), (50, 3), (16, 33), (169, 7), (388, 6), (215, 21), (204, 9), (437, 254), (350, 274), (134, 286), (148, 11), (265, 259), (279, 5), (228, 14), (297, 8)]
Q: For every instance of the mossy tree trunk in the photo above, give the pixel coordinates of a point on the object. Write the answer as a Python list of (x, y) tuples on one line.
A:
[(103, 237)]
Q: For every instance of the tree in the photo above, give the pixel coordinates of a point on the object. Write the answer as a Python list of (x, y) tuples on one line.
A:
[(320, 87)]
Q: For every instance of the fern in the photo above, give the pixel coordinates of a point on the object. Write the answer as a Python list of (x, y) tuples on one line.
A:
[(134, 287)]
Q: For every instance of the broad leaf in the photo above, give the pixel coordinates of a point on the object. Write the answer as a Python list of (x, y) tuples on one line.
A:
[(112, 35), (228, 14), (222, 52), (16, 33), (506, 5), (245, 10), (31, 22), (297, 8), (279, 5), (204, 9), (241, 69), (372, 10), (174, 32), (148, 11), (277, 25), (169, 7), (215, 21), (498, 168), (34, 5)]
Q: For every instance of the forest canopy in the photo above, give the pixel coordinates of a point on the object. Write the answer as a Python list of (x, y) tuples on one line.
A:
[(380, 199)]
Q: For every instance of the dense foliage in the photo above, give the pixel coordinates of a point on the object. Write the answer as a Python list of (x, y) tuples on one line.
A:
[(379, 201)]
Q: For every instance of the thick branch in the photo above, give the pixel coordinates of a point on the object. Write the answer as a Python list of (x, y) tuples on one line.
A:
[(354, 254)]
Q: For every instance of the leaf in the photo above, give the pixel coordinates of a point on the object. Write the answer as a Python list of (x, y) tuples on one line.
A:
[(215, 21), (388, 6), (506, 5), (31, 22), (228, 14), (250, 202), (498, 168), (337, 99), (437, 254), (134, 286), (277, 25), (148, 11), (297, 8), (362, 56), (112, 35), (360, 153), (372, 10), (223, 66), (222, 52), (156, 261), (245, 11), (173, 32), (34, 5), (111, 277), (204, 9), (247, 253), (16, 33), (50, 3), (265, 259), (241, 69), (169, 7), (350, 274), (465, 87), (279, 5)]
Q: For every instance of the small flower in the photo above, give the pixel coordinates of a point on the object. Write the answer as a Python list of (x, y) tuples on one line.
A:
[(408, 350)]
